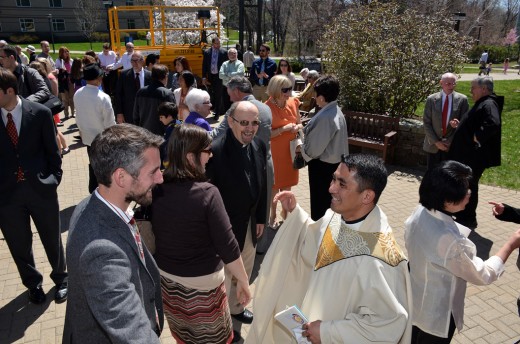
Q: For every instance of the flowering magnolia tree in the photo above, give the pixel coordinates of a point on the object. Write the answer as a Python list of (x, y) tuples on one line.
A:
[(387, 59), (187, 20)]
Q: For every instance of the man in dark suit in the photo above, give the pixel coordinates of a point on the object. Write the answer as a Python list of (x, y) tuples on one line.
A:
[(148, 99), (477, 141), (115, 285), (239, 88), (129, 82), (30, 172), (212, 61), (238, 170), (441, 108)]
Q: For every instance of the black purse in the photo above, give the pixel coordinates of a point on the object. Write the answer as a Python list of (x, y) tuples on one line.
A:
[(54, 104), (299, 162)]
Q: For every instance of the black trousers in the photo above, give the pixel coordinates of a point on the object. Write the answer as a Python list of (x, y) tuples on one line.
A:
[(15, 222), (468, 217), (215, 92), (320, 175), (435, 159), (92, 180), (421, 337)]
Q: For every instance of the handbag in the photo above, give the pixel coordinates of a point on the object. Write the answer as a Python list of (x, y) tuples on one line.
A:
[(54, 104), (297, 158)]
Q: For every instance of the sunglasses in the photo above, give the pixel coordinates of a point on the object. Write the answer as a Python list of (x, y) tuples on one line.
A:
[(245, 123), (284, 65), (286, 89)]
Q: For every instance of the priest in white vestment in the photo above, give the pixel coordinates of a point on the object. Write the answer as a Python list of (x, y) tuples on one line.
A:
[(345, 272)]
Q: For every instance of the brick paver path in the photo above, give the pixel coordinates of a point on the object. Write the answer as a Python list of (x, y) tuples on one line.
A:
[(491, 313)]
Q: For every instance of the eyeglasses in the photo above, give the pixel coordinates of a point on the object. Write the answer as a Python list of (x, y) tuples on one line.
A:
[(135, 60), (207, 102), (263, 50), (286, 89), (450, 83), (207, 151), (245, 123)]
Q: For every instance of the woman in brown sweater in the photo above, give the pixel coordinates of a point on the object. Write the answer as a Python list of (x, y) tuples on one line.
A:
[(194, 241)]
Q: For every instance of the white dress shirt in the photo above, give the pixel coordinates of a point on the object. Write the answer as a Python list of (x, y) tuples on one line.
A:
[(442, 260), (17, 115)]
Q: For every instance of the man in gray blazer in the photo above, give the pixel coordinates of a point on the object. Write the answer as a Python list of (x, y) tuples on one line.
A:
[(440, 110), (240, 88), (117, 293)]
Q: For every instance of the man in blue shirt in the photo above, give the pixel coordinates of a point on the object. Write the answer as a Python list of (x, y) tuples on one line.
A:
[(262, 70)]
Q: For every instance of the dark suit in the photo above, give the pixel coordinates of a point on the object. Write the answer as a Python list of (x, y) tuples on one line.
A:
[(147, 99), (113, 295), (125, 93), (482, 122), (244, 195), (36, 197), (216, 88)]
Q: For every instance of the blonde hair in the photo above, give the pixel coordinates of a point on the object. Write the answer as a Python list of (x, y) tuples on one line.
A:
[(46, 64), (274, 88)]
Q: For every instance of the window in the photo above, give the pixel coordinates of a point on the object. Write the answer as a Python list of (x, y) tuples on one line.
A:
[(55, 3), (58, 24), (131, 23), (23, 3), (26, 25), (129, 2)]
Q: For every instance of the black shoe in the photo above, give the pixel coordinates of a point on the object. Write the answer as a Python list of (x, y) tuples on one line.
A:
[(245, 317), (37, 295), (60, 295), (236, 337)]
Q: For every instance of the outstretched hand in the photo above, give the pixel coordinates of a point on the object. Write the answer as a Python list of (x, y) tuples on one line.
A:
[(498, 208), (287, 199)]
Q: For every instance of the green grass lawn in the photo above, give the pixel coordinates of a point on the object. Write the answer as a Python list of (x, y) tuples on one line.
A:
[(507, 174)]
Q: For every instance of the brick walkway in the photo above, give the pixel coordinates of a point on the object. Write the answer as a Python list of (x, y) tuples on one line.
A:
[(491, 313)]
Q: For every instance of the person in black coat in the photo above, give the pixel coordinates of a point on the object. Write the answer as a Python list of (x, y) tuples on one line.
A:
[(477, 141), (30, 172), (238, 170), (127, 86), (211, 63)]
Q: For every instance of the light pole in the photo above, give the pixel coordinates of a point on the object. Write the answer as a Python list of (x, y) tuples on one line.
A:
[(52, 32)]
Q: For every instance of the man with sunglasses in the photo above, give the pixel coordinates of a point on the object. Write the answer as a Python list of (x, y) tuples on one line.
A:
[(345, 271), (130, 81), (238, 170), (262, 70), (442, 108)]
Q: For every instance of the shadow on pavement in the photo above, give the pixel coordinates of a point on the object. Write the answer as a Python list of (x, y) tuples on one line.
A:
[(19, 314)]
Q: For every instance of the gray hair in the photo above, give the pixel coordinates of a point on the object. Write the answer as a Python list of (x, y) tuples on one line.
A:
[(304, 72), (195, 97), (121, 146), (448, 76), (232, 50), (485, 81), (313, 75), (241, 83)]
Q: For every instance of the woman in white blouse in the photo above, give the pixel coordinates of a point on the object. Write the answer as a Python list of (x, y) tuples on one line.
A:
[(442, 259)]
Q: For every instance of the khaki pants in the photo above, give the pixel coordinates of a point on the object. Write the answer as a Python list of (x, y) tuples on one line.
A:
[(260, 93), (248, 257)]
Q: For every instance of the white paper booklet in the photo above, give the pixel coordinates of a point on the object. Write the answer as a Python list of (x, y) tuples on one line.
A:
[(292, 319)]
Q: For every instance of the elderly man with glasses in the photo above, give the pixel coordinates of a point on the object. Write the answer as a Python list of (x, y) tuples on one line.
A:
[(238, 170), (130, 81), (441, 109)]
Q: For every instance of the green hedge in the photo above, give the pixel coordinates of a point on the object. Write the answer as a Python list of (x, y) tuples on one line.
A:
[(497, 53)]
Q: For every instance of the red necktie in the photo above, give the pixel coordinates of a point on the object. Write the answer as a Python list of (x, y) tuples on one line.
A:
[(13, 134), (137, 237), (445, 115)]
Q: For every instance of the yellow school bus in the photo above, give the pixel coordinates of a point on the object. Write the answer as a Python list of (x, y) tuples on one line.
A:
[(173, 31)]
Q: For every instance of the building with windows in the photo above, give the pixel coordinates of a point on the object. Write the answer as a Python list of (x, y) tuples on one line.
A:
[(62, 20)]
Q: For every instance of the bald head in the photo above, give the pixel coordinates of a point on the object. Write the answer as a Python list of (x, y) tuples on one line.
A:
[(243, 121)]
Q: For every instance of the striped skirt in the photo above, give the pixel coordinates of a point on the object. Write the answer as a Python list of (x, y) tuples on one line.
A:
[(196, 316)]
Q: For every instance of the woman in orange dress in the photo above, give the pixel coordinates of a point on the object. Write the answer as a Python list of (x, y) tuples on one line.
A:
[(285, 126)]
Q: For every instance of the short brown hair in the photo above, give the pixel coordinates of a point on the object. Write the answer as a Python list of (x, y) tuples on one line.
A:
[(8, 80)]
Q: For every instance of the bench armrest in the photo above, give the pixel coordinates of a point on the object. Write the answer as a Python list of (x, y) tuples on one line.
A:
[(390, 137)]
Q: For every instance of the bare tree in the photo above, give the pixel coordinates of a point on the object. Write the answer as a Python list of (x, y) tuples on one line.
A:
[(88, 14)]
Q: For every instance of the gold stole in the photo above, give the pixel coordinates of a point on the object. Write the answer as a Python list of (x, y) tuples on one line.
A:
[(341, 242)]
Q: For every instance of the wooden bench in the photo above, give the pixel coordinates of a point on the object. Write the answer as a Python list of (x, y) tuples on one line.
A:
[(373, 131)]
